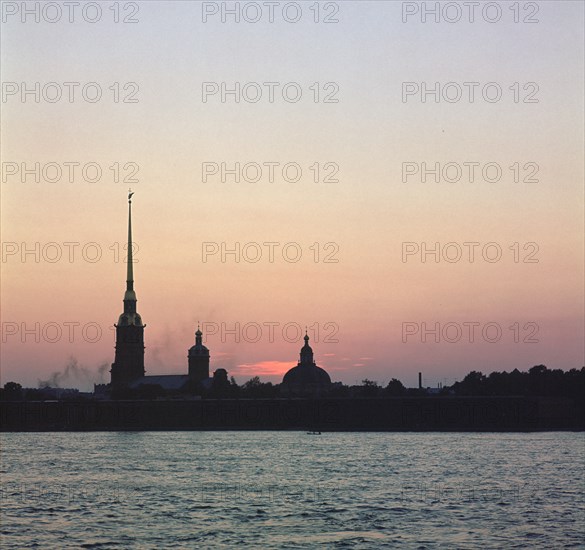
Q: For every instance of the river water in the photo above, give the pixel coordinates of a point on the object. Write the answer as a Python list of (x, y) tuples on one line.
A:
[(292, 490)]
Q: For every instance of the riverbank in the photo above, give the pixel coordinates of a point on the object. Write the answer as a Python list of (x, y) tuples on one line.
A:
[(482, 414)]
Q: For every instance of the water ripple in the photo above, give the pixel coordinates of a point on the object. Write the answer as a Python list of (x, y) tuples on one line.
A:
[(289, 490)]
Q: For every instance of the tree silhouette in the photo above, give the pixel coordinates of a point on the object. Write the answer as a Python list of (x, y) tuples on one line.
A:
[(395, 388)]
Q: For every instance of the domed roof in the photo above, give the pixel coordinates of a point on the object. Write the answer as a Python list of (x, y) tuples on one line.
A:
[(302, 375), (306, 372)]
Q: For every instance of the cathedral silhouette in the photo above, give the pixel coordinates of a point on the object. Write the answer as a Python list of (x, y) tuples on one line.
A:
[(128, 370)]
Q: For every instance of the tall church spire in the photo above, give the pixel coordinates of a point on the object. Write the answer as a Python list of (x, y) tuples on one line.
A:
[(128, 363)]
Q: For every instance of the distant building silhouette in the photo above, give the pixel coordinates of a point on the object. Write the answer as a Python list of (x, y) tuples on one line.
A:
[(128, 366), (128, 373), (306, 378), (220, 376), (128, 363), (198, 359), (198, 377), (168, 382)]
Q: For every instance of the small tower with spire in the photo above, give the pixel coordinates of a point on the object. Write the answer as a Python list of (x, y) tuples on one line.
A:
[(307, 354), (198, 359), (128, 363)]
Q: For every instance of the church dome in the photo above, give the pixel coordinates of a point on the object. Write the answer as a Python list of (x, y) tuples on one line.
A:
[(303, 375), (306, 373)]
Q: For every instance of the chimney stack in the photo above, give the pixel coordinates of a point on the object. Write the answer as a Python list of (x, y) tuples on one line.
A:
[(420, 380)]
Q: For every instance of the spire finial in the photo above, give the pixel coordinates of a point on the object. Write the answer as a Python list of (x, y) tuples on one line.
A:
[(130, 270)]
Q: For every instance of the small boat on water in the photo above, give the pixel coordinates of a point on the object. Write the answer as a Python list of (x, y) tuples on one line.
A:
[(313, 433)]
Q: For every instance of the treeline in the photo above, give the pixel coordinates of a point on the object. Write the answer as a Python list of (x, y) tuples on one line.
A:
[(539, 381)]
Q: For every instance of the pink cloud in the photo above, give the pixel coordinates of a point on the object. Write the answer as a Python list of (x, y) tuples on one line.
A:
[(262, 368), (222, 354)]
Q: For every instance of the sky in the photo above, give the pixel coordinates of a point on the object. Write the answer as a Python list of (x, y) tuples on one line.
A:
[(333, 178)]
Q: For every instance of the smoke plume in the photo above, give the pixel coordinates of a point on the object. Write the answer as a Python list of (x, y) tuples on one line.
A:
[(75, 375)]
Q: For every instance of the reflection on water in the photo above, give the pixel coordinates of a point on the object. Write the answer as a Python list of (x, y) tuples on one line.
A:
[(290, 489)]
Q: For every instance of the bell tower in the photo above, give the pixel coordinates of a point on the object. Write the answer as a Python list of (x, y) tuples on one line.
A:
[(198, 359), (128, 363)]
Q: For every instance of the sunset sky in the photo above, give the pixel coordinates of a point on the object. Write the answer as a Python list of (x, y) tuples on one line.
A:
[(363, 299)]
